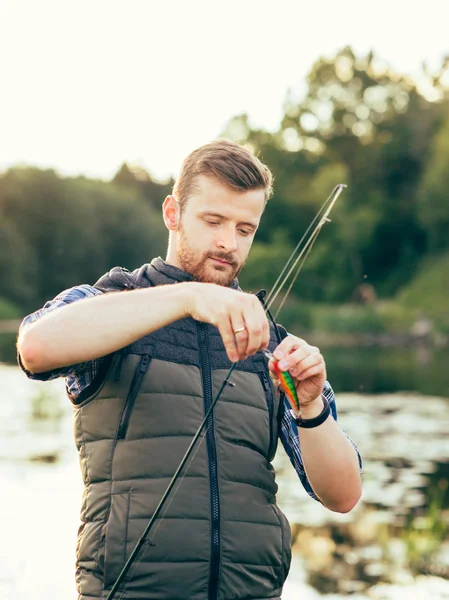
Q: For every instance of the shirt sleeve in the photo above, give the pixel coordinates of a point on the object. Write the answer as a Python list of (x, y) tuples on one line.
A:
[(290, 439), (66, 297)]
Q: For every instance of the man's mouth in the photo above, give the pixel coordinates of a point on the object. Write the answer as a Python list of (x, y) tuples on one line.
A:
[(220, 261)]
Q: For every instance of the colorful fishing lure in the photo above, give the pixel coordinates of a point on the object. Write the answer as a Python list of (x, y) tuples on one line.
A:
[(286, 382)]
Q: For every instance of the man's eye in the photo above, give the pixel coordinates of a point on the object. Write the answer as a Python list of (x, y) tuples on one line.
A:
[(212, 222), (245, 232)]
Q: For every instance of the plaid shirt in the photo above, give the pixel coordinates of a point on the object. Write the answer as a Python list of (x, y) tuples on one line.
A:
[(79, 376)]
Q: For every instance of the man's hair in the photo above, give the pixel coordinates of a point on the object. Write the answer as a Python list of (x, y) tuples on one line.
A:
[(230, 164)]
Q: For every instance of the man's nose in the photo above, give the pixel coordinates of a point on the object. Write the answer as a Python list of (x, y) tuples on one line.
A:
[(227, 240)]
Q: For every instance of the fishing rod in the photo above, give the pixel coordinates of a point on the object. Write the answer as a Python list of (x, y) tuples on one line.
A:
[(292, 262)]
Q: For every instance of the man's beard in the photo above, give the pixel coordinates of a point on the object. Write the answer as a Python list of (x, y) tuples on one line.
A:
[(201, 268)]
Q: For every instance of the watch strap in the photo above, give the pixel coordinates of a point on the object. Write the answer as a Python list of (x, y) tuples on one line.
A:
[(318, 420)]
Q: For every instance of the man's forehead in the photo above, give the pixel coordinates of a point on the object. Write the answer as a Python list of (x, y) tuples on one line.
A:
[(210, 195)]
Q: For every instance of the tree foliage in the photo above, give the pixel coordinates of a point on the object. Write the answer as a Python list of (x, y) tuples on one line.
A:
[(56, 232), (356, 121), (359, 123)]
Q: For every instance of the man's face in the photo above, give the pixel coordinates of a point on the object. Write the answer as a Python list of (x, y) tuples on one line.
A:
[(216, 230)]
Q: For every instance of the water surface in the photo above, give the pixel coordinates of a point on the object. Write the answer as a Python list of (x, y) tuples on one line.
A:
[(401, 433)]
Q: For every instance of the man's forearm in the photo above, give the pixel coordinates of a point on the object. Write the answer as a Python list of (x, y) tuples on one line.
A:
[(95, 327), (332, 465)]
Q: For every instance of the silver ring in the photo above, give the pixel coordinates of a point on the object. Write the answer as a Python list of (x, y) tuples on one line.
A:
[(240, 329)]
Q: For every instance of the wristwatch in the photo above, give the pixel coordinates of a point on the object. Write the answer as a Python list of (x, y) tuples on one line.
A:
[(310, 423)]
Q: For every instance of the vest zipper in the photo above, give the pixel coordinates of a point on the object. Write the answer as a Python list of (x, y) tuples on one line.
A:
[(269, 396), (212, 457), (118, 370), (141, 369)]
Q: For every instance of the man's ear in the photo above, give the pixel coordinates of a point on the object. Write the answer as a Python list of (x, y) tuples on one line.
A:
[(171, 213)]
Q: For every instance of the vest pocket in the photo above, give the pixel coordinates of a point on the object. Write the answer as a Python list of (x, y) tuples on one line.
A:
[(139, 374), (286, 542), (116, 534)]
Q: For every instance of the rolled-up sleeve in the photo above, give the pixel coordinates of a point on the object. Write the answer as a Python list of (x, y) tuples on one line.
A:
[(74, 294), (290, 439)]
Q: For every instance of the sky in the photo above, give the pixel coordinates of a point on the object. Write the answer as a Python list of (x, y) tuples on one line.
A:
[(87, 85)]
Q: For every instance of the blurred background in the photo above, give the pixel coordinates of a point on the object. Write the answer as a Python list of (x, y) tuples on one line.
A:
[(99, 104)]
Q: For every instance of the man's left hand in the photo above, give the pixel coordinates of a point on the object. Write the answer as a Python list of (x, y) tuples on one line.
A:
[(306, 365)]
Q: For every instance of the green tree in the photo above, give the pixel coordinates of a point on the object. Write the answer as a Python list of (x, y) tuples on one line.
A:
[(359, 123), (138, 179), (434, 195), (62, 232)]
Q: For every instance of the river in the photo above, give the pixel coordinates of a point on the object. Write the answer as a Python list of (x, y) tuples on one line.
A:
[(392, 402)]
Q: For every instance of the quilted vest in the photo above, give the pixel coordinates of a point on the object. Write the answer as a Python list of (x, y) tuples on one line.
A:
[(221, 536)]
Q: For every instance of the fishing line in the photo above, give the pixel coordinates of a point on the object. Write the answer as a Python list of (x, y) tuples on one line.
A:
[(313, 239), (280, 282), (170, 486), (151, 542), (318, 216)]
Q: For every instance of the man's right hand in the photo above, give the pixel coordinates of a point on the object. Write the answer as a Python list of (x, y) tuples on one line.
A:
[(94, 327), (239, 317)]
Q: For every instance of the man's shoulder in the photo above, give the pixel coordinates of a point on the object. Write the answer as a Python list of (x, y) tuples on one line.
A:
[(121, 278)]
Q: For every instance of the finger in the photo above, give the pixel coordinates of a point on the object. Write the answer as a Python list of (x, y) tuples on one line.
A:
[(297, 355), (271, 366), (290, 343), (240, 333), (315, 371), (287, 345), (227, 335), (291, 360), (265, 334), (309, 362), (255, 318), (265, 337)]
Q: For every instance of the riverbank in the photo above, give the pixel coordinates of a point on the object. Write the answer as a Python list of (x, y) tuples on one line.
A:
[(393, 546), (332, 338), (385, 340), (366, 368), (385, 323), (397, 538)]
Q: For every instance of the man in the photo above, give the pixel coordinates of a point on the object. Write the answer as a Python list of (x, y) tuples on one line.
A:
[(144, 354)]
